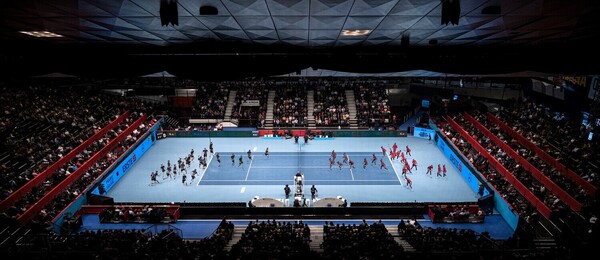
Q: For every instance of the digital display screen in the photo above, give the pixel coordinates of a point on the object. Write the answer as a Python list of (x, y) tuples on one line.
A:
[(425, 103), (585, 118)]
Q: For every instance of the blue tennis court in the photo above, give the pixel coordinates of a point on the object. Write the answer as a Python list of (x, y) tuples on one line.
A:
[(280, 168), (266, 177)]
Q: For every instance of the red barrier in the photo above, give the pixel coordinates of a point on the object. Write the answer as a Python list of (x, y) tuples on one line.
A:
[(430, 213), (41, 203), (472, 208), (535, 201), (537, 174), (282, 132), (265, 132), (298, 132), (475, 169), (587, 186), (183, 102), (101, 175), (40, 178)]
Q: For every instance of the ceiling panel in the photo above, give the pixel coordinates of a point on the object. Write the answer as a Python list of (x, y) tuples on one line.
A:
[(330, 7), (327, 22), (372, 7), (255, 22), (288, 7), (290, 22), (324, 34), (246, 7), (362, 22), (399, 22)]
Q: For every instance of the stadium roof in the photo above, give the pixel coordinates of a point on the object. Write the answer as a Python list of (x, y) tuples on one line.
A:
[(488, 36), (313, 72)]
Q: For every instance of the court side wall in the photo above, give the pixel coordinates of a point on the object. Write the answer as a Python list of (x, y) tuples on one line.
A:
[(82, 199), (471, 178), (116, 173)]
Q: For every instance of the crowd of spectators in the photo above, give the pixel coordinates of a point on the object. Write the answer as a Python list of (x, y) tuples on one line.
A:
[(361, 241), (140, 244), (68, 126), (330, 107), (516, 200), (134, 214), (290, 109), (72, 116), (574, 189), (562, 137), (290, 104), (55, 178), (63, 199), (265, 239), (524, 176), (429, 239), (251, 90), (457, 213), (372, 106), (211, 100)]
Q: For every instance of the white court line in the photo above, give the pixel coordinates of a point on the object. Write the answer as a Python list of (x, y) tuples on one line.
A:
[(204, 171), (292, 180), (394, 168), (310, 154), (302, 155), (352, 174), (290, 167), (241, 180), (243, 189), (249, 167)]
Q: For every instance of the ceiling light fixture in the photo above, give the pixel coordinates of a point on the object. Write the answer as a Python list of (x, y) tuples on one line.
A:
[(169, 13), (355, 32), (42, 34), (208, 10), (450, 12)]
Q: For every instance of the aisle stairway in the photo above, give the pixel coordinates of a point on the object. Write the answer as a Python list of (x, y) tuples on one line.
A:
[(270, 104), (172, 122), (237, 235), (229, 107), (316, 238), (310, 105), (394, 231), (545, 243), (352, 108)]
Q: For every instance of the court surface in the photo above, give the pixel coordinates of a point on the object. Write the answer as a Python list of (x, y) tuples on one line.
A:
[(266, 176), (277, 168)]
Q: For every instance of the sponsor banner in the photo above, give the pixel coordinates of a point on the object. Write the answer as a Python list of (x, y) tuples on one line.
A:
[(499, 203), (124, 166), (402, 133), (580, 81), (251, 103), (424, 133), (466, 173), (161, 135), (594, 87)]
